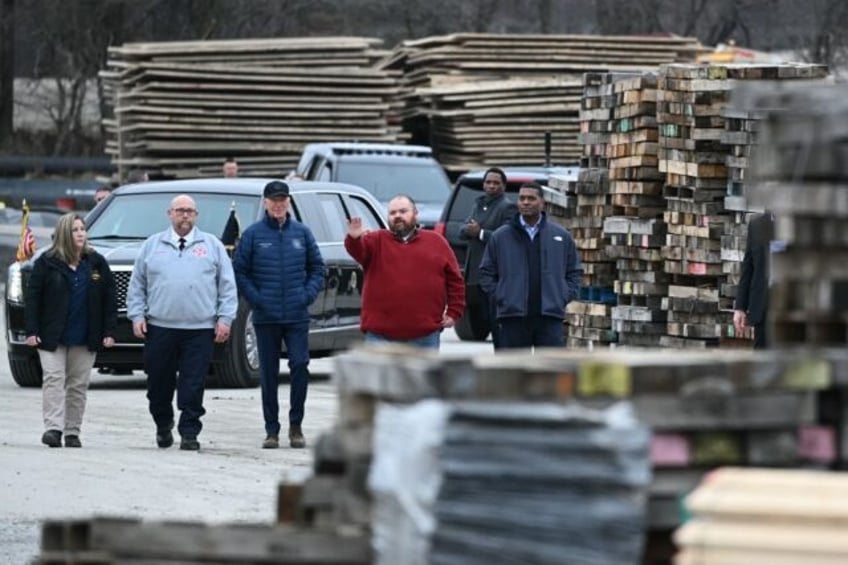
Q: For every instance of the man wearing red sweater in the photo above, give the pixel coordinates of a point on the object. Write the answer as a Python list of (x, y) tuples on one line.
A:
[(412, 287)]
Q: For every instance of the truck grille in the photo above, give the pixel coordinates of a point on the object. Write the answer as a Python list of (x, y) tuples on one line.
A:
[(122, 285)]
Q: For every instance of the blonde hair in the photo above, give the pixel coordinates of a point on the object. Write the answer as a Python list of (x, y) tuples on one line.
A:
[(63, 239)]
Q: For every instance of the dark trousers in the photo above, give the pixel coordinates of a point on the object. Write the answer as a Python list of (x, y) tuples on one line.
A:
[(268, 340), (534, 331), (177, 359), (488, 307), (760, 336)]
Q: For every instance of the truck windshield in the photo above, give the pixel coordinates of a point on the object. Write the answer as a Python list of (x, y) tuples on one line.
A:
[(136, 216), (424, 182)]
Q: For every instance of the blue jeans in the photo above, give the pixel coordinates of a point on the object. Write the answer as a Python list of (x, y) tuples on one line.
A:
[(168, 352), (429, 341), (268, 341)]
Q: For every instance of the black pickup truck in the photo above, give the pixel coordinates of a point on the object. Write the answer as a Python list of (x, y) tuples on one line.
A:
[(119, 225)]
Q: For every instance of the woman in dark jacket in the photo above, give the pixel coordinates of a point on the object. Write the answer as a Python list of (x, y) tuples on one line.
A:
[(71, 313)]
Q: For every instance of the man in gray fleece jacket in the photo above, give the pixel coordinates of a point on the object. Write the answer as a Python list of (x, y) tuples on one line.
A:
[(181, 300)]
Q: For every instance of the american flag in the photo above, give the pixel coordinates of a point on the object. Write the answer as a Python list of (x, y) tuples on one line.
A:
[(26, 247)]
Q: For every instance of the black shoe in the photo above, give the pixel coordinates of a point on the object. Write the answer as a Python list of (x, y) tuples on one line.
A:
[(189, 444), (164, 437), (52, 438), (72, 441), (296, 439), (271, 442)]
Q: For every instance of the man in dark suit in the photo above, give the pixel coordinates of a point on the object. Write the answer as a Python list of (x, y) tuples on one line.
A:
[(491, 211), (752, 293)]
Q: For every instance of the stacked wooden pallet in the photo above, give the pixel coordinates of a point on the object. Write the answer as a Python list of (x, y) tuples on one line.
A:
[(459, 461), (497, 88), (801, 176), (637, 235), (705, 242), (743, 408), (180, 108), (778, 517), (109, 541), (589, 317), (691, 154)]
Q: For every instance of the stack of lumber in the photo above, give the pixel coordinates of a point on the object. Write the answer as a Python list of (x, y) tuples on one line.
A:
[(508, 89), (743, 408), (108, 541), (180, 108), (692, 157), (474, 124), (637, 234), (691, 115), (475, 460), (777, 517), (589, 317), (800, 174)]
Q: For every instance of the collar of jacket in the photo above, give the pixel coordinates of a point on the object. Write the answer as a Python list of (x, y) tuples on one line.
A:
[(516, 220), (486, 200), (274, 223)]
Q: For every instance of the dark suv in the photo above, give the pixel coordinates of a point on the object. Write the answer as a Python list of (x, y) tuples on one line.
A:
[(121, 223), (382, 169), (473, 326)]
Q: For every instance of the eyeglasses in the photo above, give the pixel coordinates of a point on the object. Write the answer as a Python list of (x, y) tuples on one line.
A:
[(188, 211)]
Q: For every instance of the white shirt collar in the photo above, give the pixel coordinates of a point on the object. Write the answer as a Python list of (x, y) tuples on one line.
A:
[(175, 237)]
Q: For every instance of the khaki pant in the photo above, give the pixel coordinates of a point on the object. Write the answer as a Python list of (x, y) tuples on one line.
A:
[(67, 372)]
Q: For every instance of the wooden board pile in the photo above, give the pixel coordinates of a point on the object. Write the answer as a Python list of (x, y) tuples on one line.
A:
[(743, 408), (690, 109), (777, 517), (453, 439), (180, 108), (801, 175), (637, 233), (110, 541), (486, 93), (589, 320)]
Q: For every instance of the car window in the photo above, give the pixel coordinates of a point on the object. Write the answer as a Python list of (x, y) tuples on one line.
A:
[(332, 226), (370, 216), (141, 215), (425, 182)]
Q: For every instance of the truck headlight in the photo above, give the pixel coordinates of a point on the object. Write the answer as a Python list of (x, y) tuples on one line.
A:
[(14, 284)]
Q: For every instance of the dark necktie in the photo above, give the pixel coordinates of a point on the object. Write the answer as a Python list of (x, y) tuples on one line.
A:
[(182, 243)]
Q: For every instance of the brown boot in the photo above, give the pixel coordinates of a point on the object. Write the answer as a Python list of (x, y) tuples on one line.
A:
[(296, 439)]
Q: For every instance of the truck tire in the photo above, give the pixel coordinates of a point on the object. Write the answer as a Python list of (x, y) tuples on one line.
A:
[(472, 326), (26, 372), (239, 367)]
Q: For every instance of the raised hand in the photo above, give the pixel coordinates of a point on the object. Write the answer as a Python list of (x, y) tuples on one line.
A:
[(354, 227)]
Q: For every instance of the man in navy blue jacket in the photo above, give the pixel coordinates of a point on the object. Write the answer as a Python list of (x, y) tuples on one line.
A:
[(279, 271), (531, 268)]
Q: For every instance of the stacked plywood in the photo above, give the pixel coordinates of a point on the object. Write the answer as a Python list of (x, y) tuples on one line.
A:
[(501, 89), (180, 108), (777, 517), (801, 175)]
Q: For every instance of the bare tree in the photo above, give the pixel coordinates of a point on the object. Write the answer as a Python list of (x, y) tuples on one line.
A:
[(7, 68)]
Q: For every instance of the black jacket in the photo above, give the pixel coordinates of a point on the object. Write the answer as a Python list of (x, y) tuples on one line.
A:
[(752, 292), (490, 214), (47, 295)]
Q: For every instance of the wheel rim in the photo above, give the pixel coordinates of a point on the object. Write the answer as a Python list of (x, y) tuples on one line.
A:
[(251, 350)]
